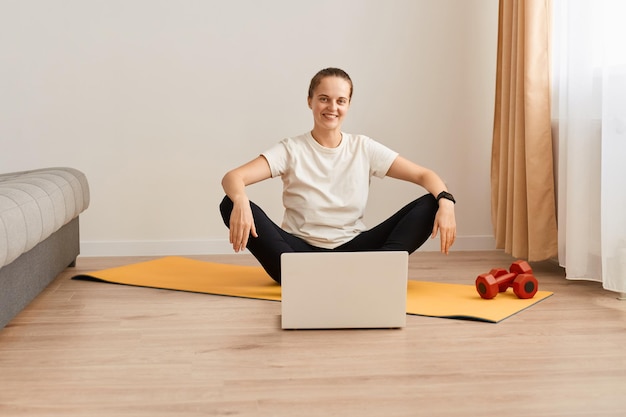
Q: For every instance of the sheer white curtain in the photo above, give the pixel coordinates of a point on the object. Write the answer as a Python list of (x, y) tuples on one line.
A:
[(589, 112)]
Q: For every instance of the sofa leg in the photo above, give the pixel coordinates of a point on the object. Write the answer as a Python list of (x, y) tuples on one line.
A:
[(72, 264)]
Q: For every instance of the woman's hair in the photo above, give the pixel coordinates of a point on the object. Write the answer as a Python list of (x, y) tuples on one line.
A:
[(329, 72)]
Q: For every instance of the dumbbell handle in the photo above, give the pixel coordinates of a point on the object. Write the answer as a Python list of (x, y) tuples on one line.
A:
[(504, 280)]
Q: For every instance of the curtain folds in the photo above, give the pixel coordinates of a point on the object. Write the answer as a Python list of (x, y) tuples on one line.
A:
[(590, 119), (523, 204)]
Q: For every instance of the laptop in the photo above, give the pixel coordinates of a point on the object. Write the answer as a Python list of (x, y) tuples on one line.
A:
[(339, 290)]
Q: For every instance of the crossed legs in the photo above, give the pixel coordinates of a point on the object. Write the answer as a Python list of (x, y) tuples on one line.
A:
[(406, 230)]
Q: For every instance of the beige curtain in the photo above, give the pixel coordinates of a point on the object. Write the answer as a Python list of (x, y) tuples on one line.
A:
[(522, 180)]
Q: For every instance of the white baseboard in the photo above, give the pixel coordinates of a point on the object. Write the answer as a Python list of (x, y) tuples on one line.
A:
[(462, 244), (155, 247), (221, 247)]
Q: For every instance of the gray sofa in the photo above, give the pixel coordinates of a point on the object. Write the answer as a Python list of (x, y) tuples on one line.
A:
[(39, 234)]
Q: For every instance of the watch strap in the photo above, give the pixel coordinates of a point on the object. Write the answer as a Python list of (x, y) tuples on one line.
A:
[(446, 195)]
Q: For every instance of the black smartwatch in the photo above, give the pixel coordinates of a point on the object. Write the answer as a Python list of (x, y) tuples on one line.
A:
[(447, 196)]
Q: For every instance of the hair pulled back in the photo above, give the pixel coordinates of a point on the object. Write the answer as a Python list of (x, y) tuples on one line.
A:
[(329, 72)]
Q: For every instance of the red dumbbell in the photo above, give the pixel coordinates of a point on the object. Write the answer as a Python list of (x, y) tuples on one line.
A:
[(497, 280)]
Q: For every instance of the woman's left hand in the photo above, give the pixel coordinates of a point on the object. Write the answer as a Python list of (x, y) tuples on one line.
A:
[(445, 225)]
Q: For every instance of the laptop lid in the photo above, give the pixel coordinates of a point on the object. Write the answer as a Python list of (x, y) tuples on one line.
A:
[(334, 290)]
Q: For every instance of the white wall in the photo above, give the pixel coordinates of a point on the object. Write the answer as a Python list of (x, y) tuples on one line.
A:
[(155, 100)]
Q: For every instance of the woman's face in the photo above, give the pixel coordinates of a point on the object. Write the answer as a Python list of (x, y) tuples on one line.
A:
[(330, 102)]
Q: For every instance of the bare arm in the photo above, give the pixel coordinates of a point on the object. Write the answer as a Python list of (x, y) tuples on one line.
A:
[(445, 223), (234, 184)]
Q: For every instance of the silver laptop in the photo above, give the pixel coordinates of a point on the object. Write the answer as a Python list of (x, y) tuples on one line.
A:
[(335, 290)]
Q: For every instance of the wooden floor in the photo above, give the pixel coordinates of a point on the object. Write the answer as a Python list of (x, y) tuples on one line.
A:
[(93, 349)]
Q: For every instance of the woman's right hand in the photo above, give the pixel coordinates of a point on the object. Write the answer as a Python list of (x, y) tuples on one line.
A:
[(241, 225), (234, 184)]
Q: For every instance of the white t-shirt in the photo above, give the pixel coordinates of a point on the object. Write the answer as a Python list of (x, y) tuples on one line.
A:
[(325, 190)]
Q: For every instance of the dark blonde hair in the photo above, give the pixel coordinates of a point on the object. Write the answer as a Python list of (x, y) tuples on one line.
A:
[(329, 72)]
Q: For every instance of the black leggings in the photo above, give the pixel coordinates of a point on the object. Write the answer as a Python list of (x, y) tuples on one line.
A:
[(406, 230)]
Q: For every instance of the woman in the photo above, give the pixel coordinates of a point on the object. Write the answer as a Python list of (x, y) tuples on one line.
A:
[(326, 175)]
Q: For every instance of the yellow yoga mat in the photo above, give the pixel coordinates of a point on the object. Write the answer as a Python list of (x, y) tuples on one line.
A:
[(423, 298)]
